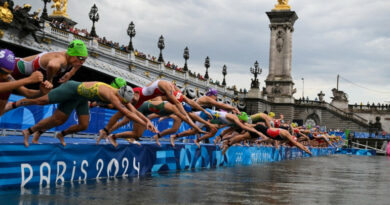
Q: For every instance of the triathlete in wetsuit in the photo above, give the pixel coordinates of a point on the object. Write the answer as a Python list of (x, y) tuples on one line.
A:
[(75, 95)]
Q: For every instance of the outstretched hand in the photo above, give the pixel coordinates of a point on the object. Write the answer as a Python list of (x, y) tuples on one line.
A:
[(209, 115), (47, 84), (36, 77), (45, 88), (236, 111), (65, 77), (151, 127)]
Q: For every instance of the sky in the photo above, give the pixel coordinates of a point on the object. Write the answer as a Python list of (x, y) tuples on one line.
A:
[(350, 38)]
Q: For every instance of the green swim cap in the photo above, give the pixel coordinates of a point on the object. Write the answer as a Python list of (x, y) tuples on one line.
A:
[(244, 117), (77, 48), (118, 83)]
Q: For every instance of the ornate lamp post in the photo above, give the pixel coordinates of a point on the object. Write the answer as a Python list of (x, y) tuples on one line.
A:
[(224, 72), (44, 13), (94, 16), (186, 56), (161, 46), (256, 71), (131, 33), (207, 65), (303, 88)]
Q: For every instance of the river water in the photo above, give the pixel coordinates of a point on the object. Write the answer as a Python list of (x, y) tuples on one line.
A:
[(337, 179)]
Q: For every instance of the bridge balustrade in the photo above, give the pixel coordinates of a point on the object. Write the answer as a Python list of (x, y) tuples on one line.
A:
[(349, 115)]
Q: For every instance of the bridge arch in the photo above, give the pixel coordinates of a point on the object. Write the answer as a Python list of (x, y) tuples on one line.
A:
[(312, 119)]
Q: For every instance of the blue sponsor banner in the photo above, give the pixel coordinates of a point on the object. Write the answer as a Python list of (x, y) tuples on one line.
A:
[(52, 164), (353, 151)]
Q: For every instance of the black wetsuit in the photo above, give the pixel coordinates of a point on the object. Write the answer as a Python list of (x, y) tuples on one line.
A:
[(263, 129)]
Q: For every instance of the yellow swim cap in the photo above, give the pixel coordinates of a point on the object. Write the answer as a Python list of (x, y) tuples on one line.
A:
[(271, 114), (294, 125)]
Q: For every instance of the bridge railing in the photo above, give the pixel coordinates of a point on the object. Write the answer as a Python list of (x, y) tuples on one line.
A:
[(59, 33), (348, 115), (369, 108)]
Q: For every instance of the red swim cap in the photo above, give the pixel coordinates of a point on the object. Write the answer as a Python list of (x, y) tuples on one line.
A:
[(178, 95)]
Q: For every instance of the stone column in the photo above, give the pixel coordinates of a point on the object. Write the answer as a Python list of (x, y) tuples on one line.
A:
[(279, 83)]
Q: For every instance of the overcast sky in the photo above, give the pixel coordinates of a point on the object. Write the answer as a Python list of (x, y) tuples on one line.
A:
[(349, 37)]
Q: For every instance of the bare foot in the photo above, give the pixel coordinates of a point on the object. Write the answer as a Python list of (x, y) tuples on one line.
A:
[(225, 147), (61, 138), (157, 140), (26, 135), (217, 140), (172, 138), (8, 107), (102, 134), (35, 139), (197, 143), (112, 140), (133, 141)]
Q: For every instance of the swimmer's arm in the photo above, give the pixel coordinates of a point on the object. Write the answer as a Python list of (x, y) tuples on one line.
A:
[(251, 129), (74, 70), (172, 99), (138, 113), (195, 105), (53, 66), (154, 115), (13, 84), (146, 122), (267, 120), (68, 75), (29, 93), (199, 119), (96, 104), (227, 131), (121, 108), (223, 106), (305, 136)]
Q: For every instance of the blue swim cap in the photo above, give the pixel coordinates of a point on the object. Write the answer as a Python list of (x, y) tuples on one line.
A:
[(187, 107)]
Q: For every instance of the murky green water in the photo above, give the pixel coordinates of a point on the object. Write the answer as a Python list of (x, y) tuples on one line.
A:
[(338, 179)]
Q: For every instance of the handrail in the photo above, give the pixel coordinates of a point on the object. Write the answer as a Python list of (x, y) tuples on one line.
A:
[(367, 147), (352, 115)]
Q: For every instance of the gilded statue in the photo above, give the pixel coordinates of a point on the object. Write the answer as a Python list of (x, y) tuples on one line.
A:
[(35, 15), (5, 13), (282, 5), (283, 2), (60, 7)]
